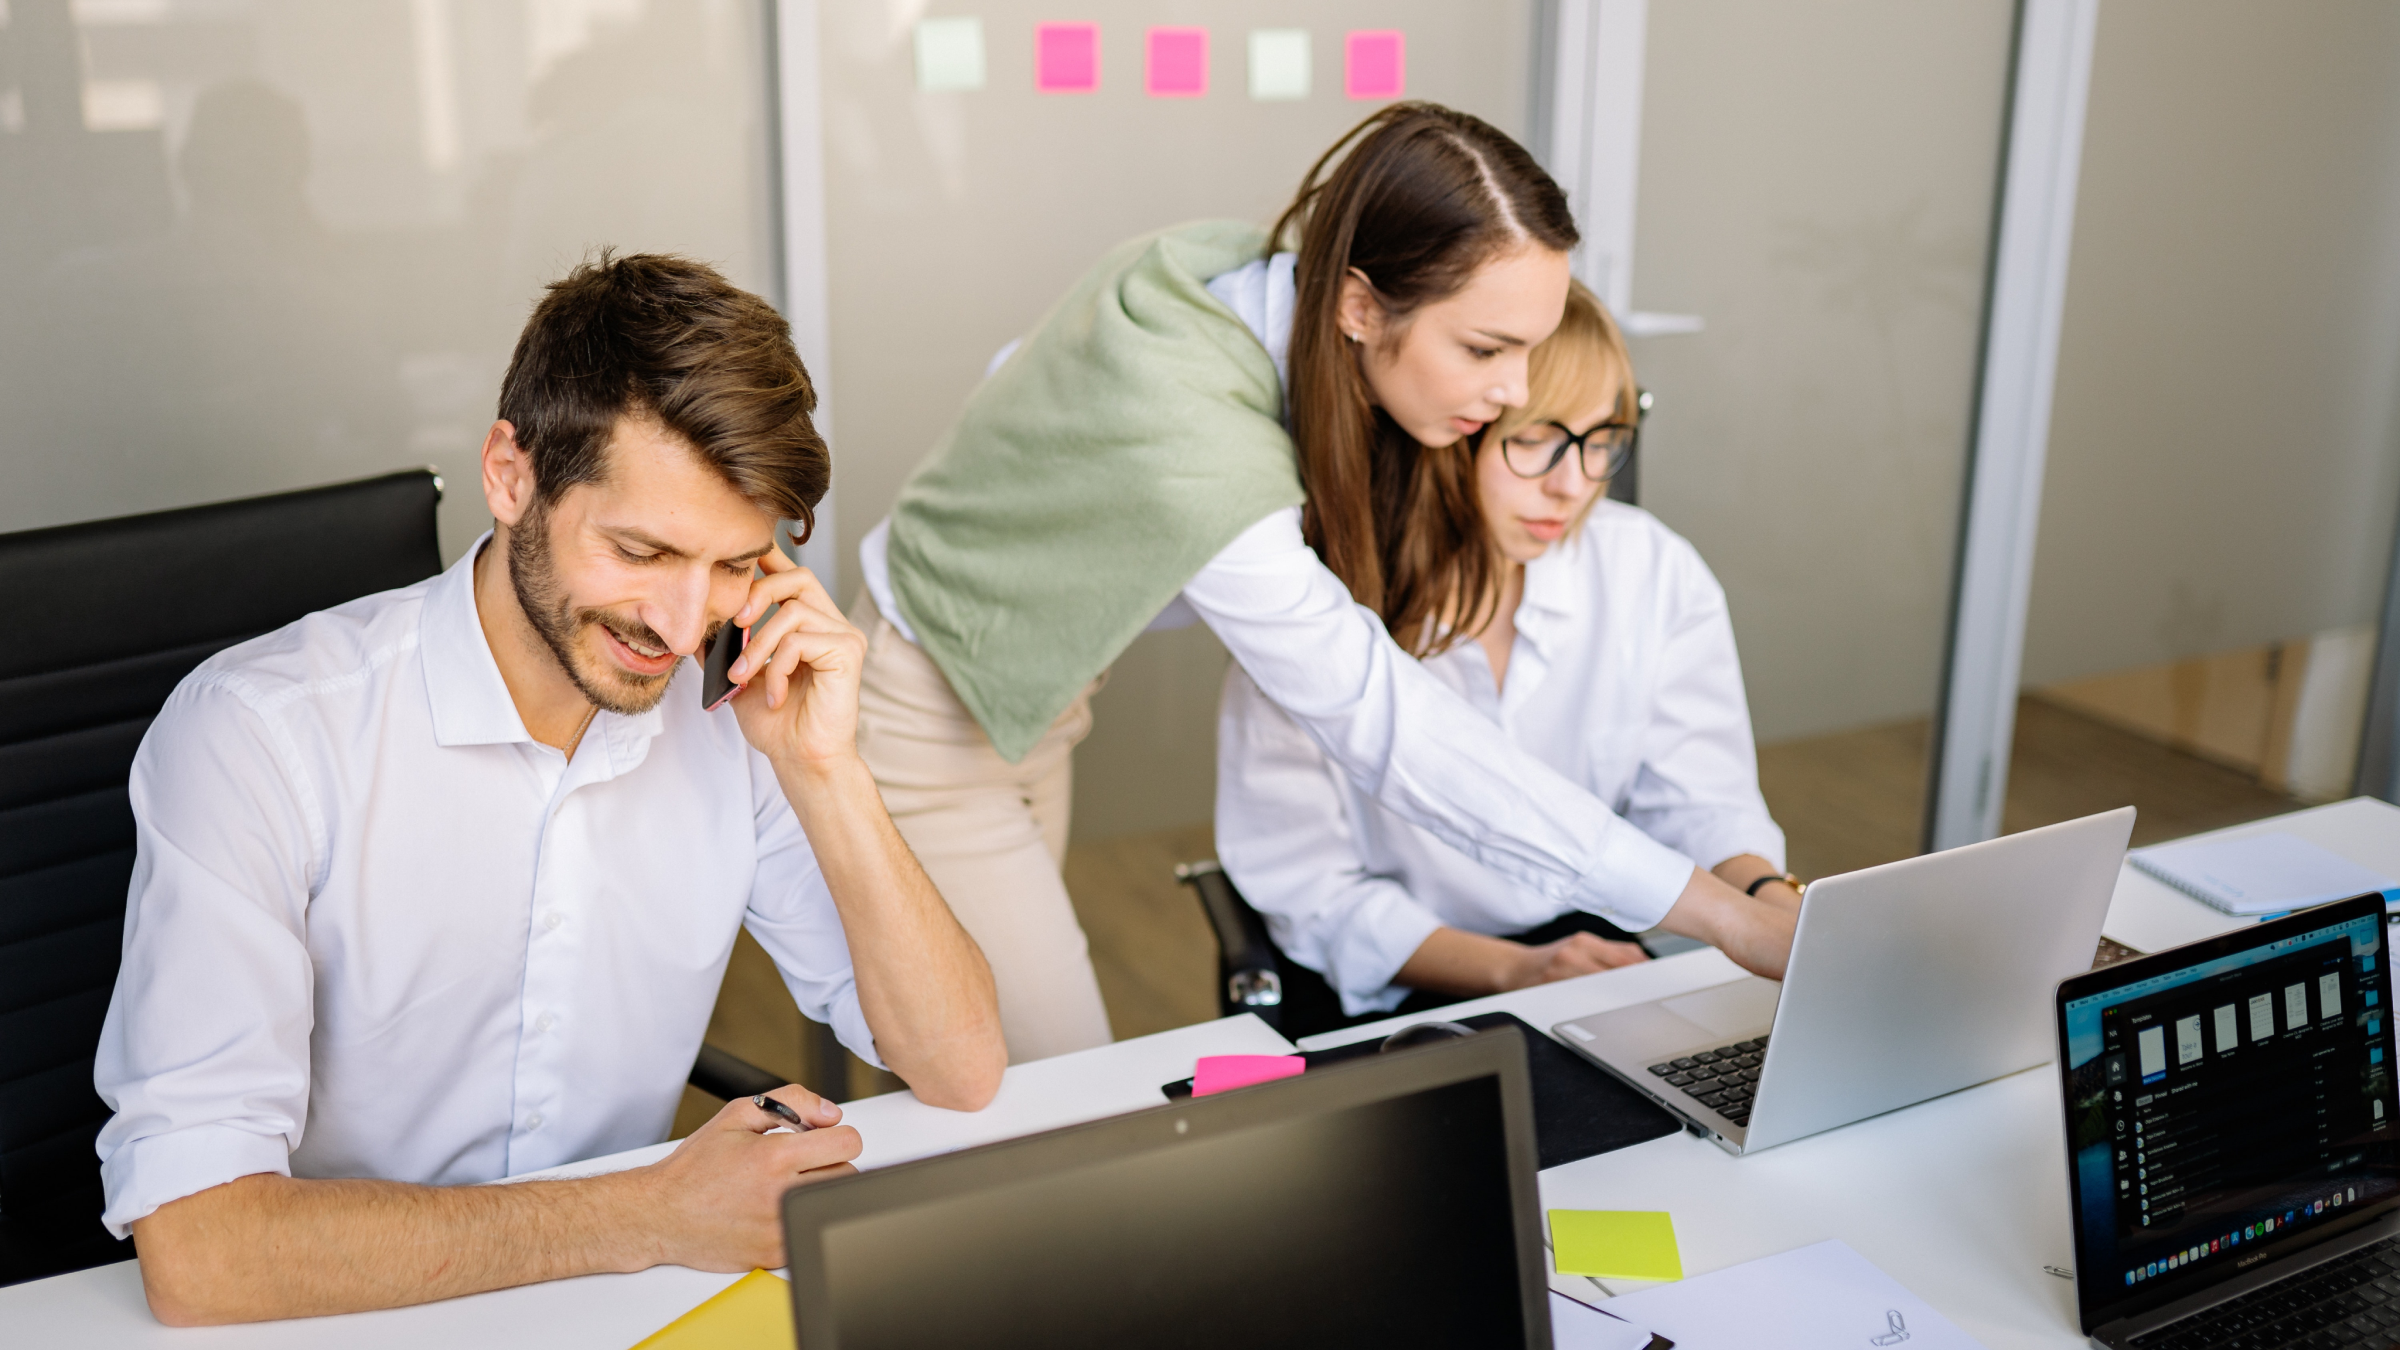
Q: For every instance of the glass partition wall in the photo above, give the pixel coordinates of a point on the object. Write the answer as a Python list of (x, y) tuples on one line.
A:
[(250, 245), (2225, 448), (1817, 187)]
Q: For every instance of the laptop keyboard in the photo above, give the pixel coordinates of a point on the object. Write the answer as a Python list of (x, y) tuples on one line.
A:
[(2350, 1300), (1724, 1079)]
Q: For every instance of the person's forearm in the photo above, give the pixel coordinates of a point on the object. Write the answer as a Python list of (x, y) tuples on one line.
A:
[(269, 1246), (1755, 933), (1454, 961), (922, 983), (1742, 871)]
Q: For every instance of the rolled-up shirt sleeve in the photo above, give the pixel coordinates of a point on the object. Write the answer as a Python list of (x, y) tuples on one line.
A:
[(1697, 789), (792, 915), (1412, 744), (204, 1056), (1285, 837)]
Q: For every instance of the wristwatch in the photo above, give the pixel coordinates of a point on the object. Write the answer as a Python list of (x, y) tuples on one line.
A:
[(1798, 886)]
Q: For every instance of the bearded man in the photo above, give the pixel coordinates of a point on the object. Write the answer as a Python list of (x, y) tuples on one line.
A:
[(437, 887)]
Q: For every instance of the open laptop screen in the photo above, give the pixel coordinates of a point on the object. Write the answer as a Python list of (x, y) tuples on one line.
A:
[(1388, 1201), (2226, 1099)]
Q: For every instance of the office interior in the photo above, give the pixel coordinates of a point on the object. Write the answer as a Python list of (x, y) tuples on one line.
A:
[(253, 245)]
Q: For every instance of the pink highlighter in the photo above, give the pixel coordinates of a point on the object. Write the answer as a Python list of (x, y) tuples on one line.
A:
[(716, 685)]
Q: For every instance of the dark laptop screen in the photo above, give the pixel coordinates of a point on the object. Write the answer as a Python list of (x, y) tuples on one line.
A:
[(1386, 1221), (2239, 1096)]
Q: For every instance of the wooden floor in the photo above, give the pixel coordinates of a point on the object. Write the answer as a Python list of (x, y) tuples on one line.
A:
[(1845, 801)]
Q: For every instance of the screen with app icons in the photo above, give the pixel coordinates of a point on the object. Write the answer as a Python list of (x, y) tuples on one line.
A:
[(2223, 1105)]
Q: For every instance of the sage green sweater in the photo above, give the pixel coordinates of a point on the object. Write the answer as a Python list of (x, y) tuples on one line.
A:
[(1132, 436)]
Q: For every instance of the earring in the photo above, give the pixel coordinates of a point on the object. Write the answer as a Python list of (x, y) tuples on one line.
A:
[(1352, 336)]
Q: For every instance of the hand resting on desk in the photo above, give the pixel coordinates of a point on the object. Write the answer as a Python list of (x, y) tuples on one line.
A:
[(270, 1246)]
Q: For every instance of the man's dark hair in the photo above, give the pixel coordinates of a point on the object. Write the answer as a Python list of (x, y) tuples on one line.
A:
[(653, 335)]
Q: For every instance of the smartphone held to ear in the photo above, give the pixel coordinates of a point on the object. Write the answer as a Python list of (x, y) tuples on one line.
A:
[(716, 686)]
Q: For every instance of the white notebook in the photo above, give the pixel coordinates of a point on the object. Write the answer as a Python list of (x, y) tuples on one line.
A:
[(2261, 873)]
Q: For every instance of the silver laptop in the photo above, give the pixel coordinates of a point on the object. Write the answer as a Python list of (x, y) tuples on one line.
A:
[(1906, 981)]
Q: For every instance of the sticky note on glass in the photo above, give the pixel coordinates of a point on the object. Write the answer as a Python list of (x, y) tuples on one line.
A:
[(1066, 57), (1615, 1244), (1224, 1073), (1177, 64), (1279, 63), (1374, 63), (950, 53)]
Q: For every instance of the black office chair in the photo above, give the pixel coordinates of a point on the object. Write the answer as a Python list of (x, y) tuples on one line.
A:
[(1255, 976), (103, 619)]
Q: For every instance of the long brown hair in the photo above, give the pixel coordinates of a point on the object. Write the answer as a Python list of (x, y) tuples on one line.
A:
[(1424, 196)]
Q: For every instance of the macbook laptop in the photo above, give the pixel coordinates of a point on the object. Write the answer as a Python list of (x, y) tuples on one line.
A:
[(1906, 981), (1388, 1200), (2232, 1165)]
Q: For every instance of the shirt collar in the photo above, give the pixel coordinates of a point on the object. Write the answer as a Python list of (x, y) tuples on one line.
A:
[(471, 705), (1551, 597), (470, 701)]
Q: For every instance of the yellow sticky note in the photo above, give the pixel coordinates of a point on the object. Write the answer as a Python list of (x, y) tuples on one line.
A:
[(752, 1313), (1615, 1244)]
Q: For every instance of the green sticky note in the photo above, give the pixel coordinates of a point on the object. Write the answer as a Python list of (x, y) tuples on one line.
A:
[(950, 53), (1279, 63), (1615, 1244)]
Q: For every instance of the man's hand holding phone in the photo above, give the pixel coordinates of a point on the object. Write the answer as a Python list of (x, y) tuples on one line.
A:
[(797, 674)]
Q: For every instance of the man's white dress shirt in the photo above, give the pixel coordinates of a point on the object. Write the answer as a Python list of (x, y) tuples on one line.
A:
[(1623, 681), (376, 930), (1405, 738)]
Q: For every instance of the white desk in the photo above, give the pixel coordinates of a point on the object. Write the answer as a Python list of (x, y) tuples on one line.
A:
[(1962, 1199), (103, 1307)]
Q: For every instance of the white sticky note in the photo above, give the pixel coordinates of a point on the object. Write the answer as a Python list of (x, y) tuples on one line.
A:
[(1279, 63), (950, 53)]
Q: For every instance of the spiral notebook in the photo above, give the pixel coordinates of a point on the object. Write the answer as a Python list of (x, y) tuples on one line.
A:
[(2258, 874)]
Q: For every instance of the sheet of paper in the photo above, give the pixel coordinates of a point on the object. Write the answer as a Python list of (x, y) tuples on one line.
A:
[(1825, 1297), (1615, 1244), (1576, 1326), (1224, 1073), (752, 1313)]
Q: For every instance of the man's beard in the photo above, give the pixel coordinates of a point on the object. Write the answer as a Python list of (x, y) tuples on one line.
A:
[(532, 573)]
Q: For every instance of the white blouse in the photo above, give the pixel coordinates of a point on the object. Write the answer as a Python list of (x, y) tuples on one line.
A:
[(1623, 680), (1401, 734)]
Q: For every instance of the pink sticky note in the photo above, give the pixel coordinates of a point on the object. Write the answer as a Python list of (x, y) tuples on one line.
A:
[(1066, 57), (1375, 63), (1178, 66), (1224, 1073)]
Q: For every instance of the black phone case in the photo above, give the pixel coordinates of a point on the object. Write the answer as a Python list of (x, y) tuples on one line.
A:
[(714, 683)]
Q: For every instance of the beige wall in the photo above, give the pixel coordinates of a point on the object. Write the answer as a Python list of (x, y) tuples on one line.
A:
[(1817, 184), (2225, 452), (955, 218)]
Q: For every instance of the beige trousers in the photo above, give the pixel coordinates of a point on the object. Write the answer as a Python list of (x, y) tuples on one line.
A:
[(991, 834)]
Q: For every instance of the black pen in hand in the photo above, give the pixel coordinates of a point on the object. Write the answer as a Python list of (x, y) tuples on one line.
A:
[(777, 1109)]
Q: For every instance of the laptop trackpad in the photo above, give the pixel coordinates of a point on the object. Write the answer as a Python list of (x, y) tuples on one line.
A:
[(1744, 1007)]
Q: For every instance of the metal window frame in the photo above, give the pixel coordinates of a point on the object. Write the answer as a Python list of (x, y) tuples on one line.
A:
[(1975, 720), (796, 154)]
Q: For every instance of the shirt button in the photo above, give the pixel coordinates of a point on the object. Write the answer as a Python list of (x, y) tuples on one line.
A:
[(545, 1022), (534, 1121), (552, 920)]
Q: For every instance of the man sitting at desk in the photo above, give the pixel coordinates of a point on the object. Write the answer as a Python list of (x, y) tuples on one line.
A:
[(437, 887)]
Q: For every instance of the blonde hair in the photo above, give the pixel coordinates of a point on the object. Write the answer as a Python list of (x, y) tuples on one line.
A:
[(1583, 356)]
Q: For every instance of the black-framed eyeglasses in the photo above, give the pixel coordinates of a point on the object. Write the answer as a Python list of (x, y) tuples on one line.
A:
[(1601, 452)]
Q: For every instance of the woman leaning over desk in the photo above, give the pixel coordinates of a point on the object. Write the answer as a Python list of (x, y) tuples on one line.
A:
[(1582, 629), (1206, 427)]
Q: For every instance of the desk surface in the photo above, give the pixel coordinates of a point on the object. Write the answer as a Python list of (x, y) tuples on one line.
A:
[(1962, 1199)]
